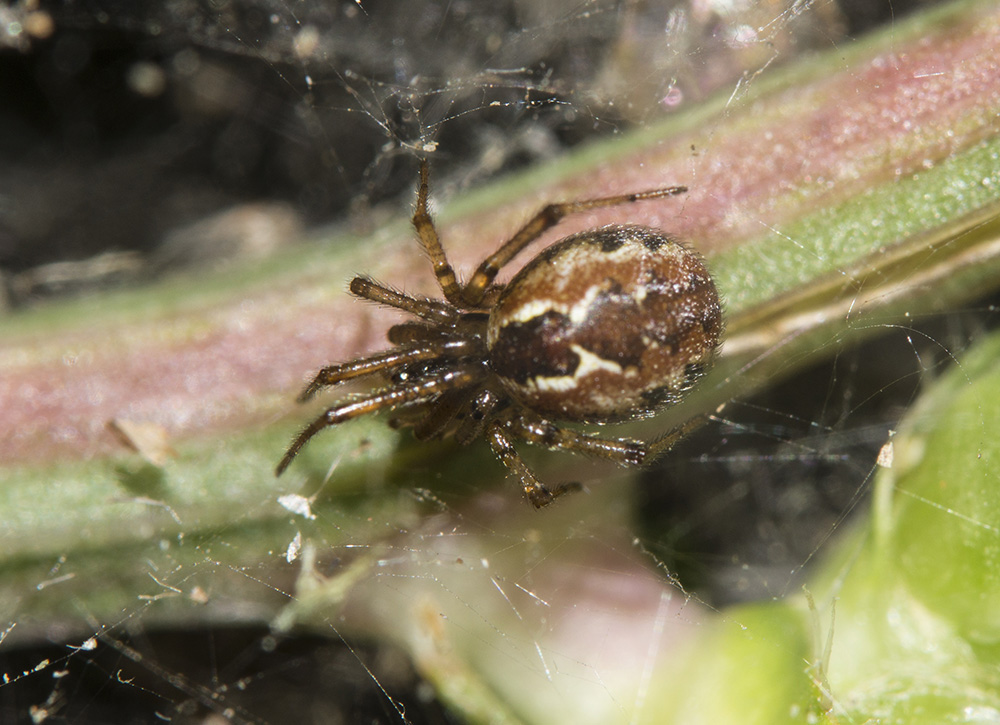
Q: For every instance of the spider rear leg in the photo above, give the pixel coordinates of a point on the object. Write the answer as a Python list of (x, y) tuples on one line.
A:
[(537, 431), (427, 232), (669, 439), (540, 432), (471, 295), (482, 279), (623, 451), (536, 492)]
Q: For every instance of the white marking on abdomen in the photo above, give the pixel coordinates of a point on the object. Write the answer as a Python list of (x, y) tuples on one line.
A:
[(589, 363)]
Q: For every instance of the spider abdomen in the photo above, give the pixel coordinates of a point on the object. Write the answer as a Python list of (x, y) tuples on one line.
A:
[(606, 325)]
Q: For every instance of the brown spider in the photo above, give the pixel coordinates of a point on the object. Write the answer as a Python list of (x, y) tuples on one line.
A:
[(604, 326)]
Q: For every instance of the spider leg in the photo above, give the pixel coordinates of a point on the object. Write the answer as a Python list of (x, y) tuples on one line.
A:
[(427, 232), (431, 310), (463, 412), (422, 391), (547, 218), (439, 417), (669, 439), (541, 432), (475, 416), (623, 451), (407, 333), (387, 360), (468, 326), (538, 494)]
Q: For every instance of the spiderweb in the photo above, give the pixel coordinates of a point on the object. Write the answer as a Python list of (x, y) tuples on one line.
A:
[(454, 604)]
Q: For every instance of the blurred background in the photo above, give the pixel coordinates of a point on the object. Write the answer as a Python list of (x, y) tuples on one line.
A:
[(138, 139)]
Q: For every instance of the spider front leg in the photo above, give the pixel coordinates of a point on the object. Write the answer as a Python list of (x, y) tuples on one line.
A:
[(417, 392), (385, 361)]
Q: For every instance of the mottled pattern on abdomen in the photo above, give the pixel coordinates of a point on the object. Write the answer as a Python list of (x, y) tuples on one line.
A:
[(605, 325)]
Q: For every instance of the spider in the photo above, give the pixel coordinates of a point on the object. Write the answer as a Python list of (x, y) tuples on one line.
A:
[(603, 326)]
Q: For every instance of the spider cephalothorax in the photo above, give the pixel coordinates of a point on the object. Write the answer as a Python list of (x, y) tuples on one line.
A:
[(607, 325)]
